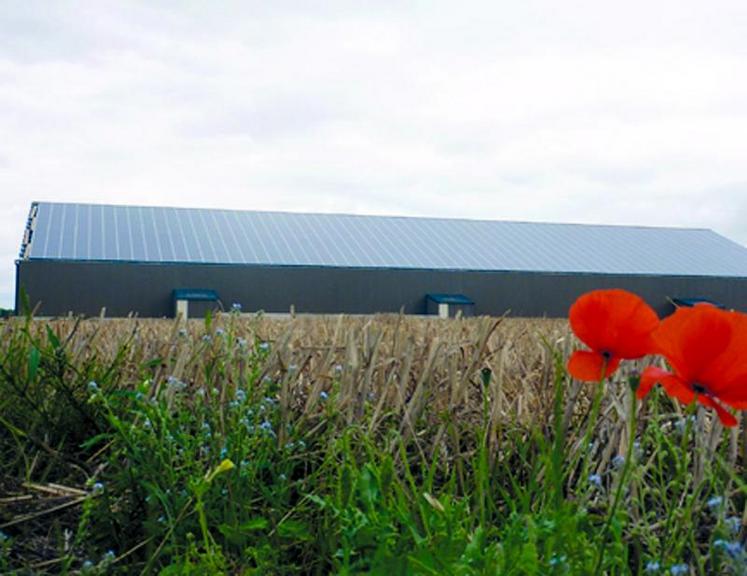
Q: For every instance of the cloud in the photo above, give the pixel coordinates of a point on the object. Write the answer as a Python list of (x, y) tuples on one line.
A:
[(628, 114)]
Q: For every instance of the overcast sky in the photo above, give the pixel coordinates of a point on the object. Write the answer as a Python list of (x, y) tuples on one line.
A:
[(604, 112)]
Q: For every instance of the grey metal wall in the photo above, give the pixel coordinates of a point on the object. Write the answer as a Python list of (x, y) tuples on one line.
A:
[(85, 287)]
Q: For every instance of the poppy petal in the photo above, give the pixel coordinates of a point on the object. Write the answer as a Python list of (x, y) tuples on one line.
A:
[(673, 386), (726, 376), (588, 366), (676, 388), (693, 338), (649, 377), (726, 418), (734, 395), (614, 321)]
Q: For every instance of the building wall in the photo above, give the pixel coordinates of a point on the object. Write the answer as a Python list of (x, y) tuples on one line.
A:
[(86, 287)]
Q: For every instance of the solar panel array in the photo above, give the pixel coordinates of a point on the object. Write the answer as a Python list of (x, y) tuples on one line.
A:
[(88, 232)]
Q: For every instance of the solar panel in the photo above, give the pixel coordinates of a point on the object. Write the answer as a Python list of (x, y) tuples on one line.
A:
[(88, 232)]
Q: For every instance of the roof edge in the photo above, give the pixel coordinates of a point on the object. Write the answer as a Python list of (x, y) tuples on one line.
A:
[(170, 263), (28, 232), (391, 216)]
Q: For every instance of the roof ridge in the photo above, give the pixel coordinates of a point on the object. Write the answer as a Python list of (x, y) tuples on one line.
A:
[(387, 216)]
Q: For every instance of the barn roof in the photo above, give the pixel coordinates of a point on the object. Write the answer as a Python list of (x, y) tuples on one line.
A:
[(90, 232)]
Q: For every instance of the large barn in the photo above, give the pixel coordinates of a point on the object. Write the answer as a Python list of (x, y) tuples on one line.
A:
[(153, 261)]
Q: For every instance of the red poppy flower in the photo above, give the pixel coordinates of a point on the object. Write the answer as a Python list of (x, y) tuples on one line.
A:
[(706, 349), (616, 325)]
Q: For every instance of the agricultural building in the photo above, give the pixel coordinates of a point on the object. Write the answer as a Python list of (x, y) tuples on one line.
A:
[(151, 261)]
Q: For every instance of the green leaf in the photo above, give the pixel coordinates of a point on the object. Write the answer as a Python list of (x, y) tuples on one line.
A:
[(33, 364), (367, 486), (295, 530), (238, 534), (387, 474), (258, 523), (154, 363), (52, 337)]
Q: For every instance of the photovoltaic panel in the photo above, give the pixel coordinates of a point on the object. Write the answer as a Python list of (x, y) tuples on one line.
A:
[(88, 232)]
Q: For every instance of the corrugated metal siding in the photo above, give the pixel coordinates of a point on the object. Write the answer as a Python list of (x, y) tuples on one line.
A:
[(59, 287), (88, 232)]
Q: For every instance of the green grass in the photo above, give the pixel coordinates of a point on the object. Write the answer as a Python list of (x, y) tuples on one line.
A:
[(369, 447)]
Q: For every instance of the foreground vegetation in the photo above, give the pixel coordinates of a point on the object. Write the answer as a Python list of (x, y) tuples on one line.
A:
[(385, 445)]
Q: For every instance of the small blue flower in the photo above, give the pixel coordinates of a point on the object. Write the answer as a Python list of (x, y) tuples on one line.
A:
[(86, 566), (282, 477), (108, 556), (241, 342), (223, 452), (264, 346), (219, 332), (734, 524), (557, 560), (618, 461), (98, 488), (323, 395), (733, 549), (207, 338), (715, 502), (93, 387), (240, 395), (236, 307), (681, 424), (596, 480), (338, 368), (679, 569), (173, 383), (147, 424), (266, 426), (652, 566), (201, 392), (3, 537)]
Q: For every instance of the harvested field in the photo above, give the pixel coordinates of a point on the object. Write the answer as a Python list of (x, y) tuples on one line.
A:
[(465, 410)]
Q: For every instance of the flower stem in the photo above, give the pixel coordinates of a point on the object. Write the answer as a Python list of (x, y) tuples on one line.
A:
[(584, 451), (622, 480)]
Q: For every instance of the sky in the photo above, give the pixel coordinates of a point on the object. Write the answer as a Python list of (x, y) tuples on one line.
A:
[(577, 111)]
